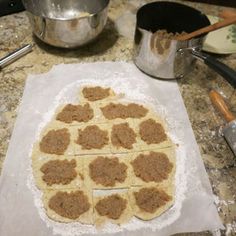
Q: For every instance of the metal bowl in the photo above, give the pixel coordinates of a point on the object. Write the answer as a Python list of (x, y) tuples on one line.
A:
[(69, 23)]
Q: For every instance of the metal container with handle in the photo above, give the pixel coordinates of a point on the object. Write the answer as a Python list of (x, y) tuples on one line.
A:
[(176, 58)]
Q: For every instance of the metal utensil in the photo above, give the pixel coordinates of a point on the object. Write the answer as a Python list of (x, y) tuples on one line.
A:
[(69, 23), (177, 58), (15, 55), (229, 130)]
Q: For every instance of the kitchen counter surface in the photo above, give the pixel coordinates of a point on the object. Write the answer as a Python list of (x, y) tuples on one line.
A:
[(219, 160)]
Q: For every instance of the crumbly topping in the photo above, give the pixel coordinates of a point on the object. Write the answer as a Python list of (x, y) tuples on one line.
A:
[(112, 206), (58, 172), (92, 137), (161, 40), (150, 199), (69, 205), (123, 136), (132, 110), (80, 113), (154, 166), (107, 171), (55, 141), (95, 93), (152, 132)]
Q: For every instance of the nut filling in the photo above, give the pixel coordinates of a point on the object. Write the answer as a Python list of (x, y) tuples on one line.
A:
[(154, 166), (59, 172), (55, 141), (92, 137), (111, 206), (152, 132), (150, 199), (132, 110), (78, 113), (123, 136), (69, 205), (95, 93), (107, 171)]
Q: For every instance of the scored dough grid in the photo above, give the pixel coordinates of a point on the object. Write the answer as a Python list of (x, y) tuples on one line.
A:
[(84, 157)]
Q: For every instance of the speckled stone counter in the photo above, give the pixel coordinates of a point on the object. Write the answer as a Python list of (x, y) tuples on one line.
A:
[(219, 161)]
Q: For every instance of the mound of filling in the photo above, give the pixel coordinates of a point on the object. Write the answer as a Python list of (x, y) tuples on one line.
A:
[(150, 199), (107, 171), (95, 93), (154, 166), (123, 136), (69, 205), (112, 206), (161, 40), (55, 141), (92, 137), (58, 172), (80, 113), (152, 132), (132, 110)]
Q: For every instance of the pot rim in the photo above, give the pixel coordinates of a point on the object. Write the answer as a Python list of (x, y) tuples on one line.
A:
[(142, 8)]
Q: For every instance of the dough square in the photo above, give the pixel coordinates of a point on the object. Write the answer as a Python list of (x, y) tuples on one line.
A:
[(85, 218), (82, 99), (126, 215), (78, 150), (143, 145), (92, 184), (75, 123), (38, 174), (117, 120), (136, 146), (143, 215), (54, 126), (170, 153)]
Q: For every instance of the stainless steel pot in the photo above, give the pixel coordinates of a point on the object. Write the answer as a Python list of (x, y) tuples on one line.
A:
[(69, 23), (168, 58)]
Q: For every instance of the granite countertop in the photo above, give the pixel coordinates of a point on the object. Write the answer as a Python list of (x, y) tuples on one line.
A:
[(219, 160)]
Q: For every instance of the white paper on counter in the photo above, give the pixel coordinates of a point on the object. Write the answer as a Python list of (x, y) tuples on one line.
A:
[(21, 211)]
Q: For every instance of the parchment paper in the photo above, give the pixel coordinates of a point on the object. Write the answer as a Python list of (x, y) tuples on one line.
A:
[(21, 212)]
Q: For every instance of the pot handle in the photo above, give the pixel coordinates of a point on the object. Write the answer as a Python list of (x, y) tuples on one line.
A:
[(226, 72)]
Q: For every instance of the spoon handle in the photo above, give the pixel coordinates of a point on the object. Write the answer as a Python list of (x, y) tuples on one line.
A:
[(227, 13), (207, 29)]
